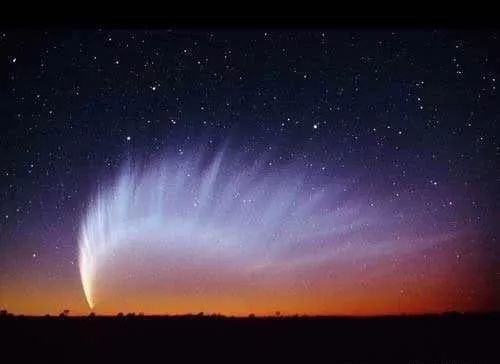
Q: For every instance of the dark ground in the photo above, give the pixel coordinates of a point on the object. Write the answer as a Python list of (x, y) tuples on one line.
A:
[(452, 338)]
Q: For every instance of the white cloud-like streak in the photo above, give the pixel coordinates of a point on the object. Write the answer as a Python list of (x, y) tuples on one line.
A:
[(221, 207)]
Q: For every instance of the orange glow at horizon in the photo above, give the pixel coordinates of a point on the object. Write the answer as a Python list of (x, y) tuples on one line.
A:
[(380, 288)]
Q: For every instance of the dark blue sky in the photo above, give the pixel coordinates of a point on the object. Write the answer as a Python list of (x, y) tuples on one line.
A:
[(407, 120)]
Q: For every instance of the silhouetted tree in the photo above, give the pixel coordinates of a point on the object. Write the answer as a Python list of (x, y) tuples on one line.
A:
[(251, 316), (278, 313), (4, 313), (64, 313), (120, 314), (92, 314)]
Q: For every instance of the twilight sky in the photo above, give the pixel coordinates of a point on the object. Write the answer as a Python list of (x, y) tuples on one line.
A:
[(249, 171)]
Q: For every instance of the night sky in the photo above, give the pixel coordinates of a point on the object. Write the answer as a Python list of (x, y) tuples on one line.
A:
[(375, 191)]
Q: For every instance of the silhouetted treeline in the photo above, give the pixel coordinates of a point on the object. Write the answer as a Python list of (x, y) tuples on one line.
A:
[(65, 313)]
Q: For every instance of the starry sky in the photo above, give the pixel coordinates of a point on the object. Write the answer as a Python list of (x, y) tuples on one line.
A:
[(398, 128)]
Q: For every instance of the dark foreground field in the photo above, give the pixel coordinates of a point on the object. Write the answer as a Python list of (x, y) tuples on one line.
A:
[(466, 338)]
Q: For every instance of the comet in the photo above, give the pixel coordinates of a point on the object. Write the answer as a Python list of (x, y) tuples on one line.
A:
[(223, 207)]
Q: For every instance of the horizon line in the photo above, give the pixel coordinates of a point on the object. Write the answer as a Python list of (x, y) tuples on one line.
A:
[(6, 313)]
